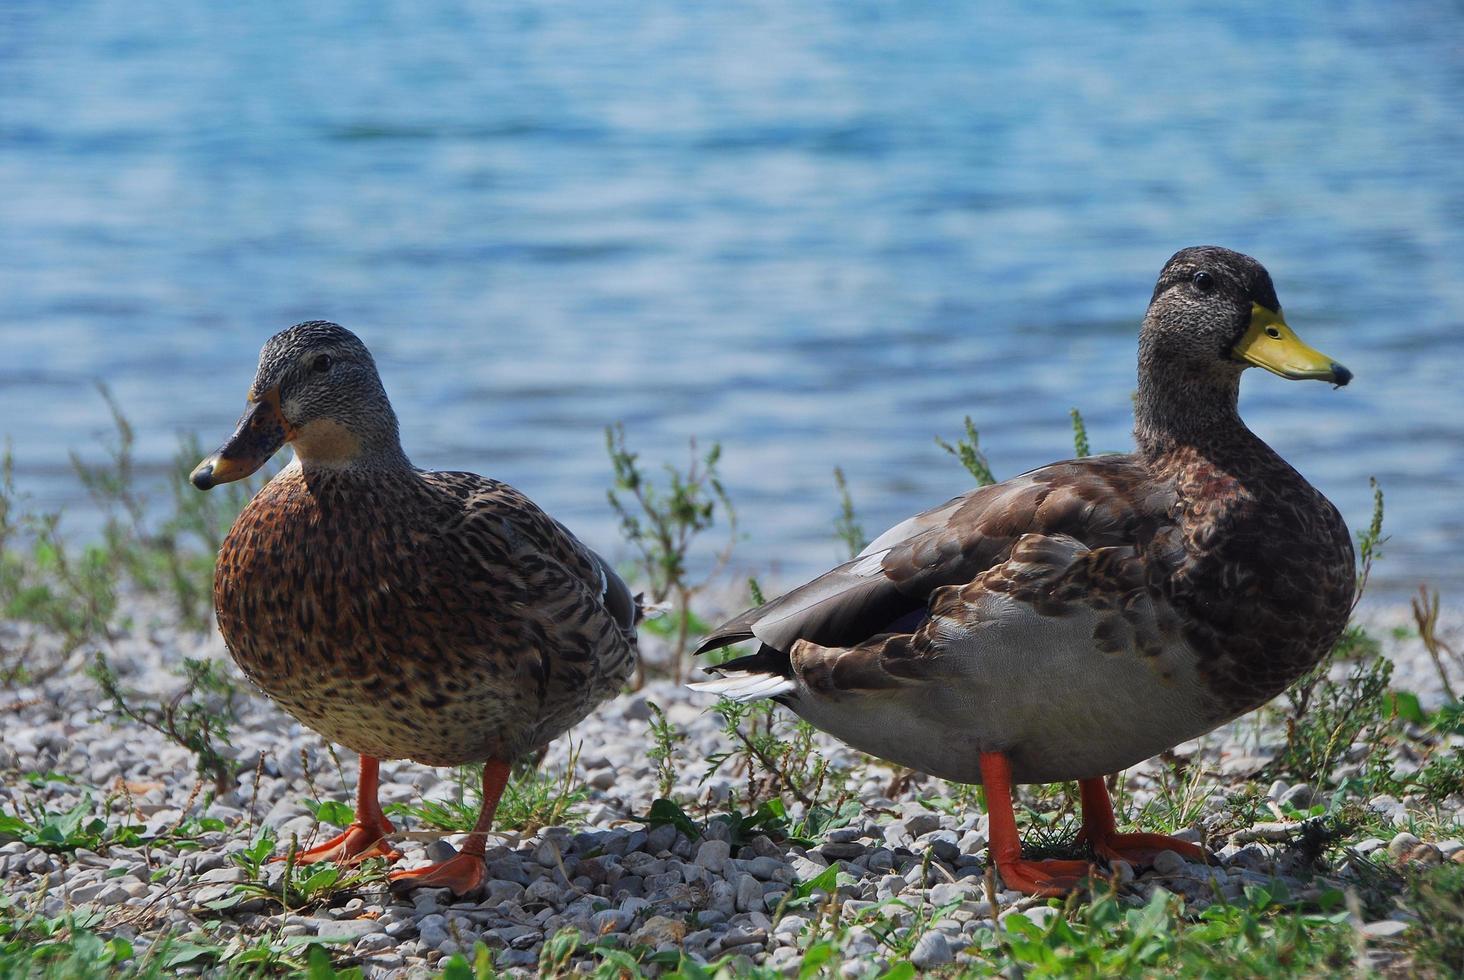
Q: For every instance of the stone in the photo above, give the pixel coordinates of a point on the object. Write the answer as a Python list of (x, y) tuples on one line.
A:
[(920, 824), (1299, 796), (943, 844), (713, 855), (373, 942), (749, 893), (744, 936), (1426, 854), (544, 891), (1168, 863), (790, 925), (221, 876), (432, 930), (769, 869), (1384, 929), (343, 928), (932, 950), (658, 930), (1401, 845), (953, 891), (661, 838)]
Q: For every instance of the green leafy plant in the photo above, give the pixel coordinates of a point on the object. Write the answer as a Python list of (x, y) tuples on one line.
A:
[(1080, 435), (197, 717), (1436, 896), (662, 523), (662, 752), (532, 799), (78, 827), (968, 451), (846, 526), (1327, 716)]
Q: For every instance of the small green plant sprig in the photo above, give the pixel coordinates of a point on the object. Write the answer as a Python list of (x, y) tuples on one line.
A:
[(71, 592), (662, 753), (846, 526), (197, 717), (662, 523), (532, 799), (78, 827), (968, 450), (1080, 435)]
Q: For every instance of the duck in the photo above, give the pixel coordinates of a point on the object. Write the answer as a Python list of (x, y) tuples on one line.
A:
[(404, 613), (1087, 615)]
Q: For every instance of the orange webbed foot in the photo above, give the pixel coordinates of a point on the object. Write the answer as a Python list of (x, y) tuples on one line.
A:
[(463, 874), (352, 846), (1141, 849), (1049, 879)]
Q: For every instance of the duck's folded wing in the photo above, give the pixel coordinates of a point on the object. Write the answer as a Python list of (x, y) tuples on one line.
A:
[(1088, 503)]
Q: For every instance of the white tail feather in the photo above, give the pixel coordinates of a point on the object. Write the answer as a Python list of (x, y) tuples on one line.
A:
[(746, 686)]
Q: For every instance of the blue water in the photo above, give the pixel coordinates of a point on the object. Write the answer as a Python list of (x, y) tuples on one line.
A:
[(820, 233)]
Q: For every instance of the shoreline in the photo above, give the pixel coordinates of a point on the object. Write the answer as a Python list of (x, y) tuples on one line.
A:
[(914, 843)]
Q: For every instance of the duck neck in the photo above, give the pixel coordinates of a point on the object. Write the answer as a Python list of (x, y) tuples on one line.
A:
[(1186, 404), (367, 446)]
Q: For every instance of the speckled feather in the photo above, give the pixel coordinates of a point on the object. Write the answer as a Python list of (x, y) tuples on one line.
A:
[(441, 617)]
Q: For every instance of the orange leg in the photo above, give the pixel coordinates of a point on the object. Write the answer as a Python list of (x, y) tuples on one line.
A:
[(366, 836), (1101, 832), (465, 873), (1055, 878)]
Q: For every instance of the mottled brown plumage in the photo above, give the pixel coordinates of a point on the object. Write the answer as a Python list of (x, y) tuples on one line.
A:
[(440, 617), (1082, 617)]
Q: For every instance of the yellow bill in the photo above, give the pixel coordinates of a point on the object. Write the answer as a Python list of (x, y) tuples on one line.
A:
[(1271, 344)]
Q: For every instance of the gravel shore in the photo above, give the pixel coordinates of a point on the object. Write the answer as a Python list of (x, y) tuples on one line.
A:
[(913, 854)]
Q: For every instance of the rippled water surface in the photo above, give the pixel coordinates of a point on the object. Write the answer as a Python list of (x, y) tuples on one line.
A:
[(820, 233)]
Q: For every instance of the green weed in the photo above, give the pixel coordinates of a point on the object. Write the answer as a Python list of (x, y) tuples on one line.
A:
[(197, 717), (846, 526), (1080, 435), (1437, 898), (531, 800), (662, 523), (79, 827), (664, 739), (968, 451)]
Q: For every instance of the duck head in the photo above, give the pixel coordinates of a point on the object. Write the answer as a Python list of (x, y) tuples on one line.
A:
[(1215, 312), (317, 389)]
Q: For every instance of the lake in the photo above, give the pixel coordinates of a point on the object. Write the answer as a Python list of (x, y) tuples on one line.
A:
[(818, 233)]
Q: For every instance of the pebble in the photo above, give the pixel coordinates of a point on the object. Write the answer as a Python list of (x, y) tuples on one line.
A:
[(713, 855), (1168, 863), (1401, 845), (932, 950), (1384, 929)]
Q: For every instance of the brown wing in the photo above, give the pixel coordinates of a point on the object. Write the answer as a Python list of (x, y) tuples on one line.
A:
[(1094, 503), (573, 616)]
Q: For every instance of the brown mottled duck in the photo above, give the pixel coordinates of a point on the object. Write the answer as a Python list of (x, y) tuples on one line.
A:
[(403, 613), (1080, 618)]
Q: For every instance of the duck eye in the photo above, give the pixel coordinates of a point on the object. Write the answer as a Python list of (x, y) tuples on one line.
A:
[(1203, 281), (321, 364)]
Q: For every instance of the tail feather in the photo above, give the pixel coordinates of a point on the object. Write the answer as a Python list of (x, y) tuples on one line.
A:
[(747, 686)]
